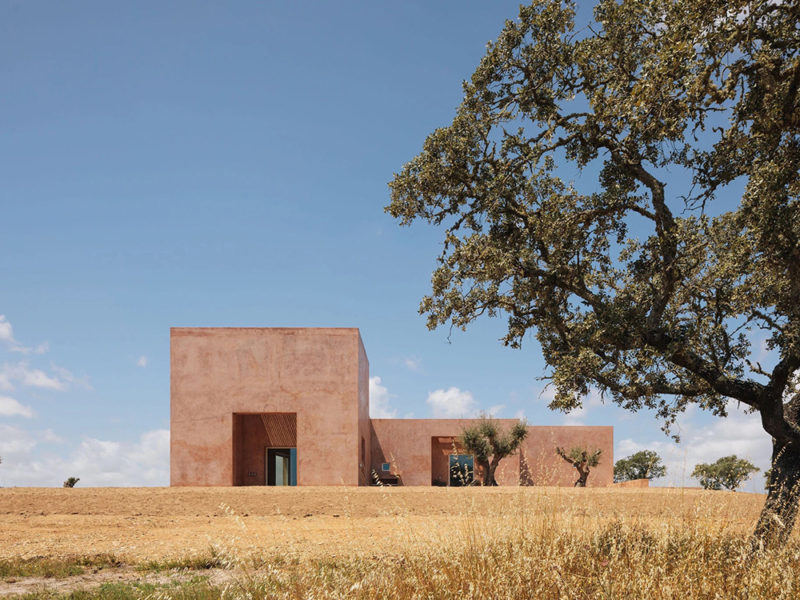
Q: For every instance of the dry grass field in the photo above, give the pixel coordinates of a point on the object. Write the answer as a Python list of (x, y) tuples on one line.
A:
[(387, 543)]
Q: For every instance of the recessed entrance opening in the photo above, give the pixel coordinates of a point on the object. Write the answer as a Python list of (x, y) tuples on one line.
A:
[(281, 466), (451, 465), (462, 469), (265, 448)]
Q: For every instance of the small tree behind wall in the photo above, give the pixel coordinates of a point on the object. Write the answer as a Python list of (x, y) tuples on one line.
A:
[(644, 464), (490, 445), (582, 459)]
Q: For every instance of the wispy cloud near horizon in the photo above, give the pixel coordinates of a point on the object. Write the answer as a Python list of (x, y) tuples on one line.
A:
[(7, 336), (10, 407)]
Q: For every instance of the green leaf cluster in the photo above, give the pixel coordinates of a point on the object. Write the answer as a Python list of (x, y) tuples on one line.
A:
[(627, 190), (639, 286), (644, 464), (728, 472), (489, 444), (580, 456)]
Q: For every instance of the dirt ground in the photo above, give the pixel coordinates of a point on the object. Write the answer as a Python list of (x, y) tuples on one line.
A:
[(142, 524)]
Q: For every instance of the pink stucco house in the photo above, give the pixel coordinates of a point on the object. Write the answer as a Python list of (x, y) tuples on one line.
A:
[(290, 406)]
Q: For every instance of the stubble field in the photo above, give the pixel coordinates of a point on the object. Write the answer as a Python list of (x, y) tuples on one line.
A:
[(388, 543)]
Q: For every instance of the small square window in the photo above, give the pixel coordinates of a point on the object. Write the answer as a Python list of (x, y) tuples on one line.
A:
[(385, 467)]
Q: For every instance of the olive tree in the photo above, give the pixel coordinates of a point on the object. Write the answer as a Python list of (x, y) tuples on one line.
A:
[(582, 459), (728, 472), (489, 445), (644, 464), (682, 233)]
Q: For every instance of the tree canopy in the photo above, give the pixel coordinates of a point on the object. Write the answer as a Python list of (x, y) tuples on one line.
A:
[(649, 283), (728, 472), (644, 464), (489, 445)]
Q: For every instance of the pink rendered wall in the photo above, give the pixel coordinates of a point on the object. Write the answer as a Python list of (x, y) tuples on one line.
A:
[(364, 430), (314, 372), (547, 468), (634, 483), (409, 444)]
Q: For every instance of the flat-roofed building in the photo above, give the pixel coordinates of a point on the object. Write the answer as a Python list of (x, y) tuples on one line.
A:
[(290, 406)]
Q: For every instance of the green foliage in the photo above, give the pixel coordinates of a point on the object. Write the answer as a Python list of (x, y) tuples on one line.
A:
[(644, 464), (628, 287), (579, 454), (583, 459), (728, 472), (55, 567), (135, 590), (644, 280), (71, 481), (489, 445)]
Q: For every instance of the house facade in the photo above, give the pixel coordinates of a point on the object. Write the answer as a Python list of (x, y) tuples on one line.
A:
[(290, 406)]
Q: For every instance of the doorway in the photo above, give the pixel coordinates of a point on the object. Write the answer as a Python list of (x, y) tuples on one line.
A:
[(281, 466)]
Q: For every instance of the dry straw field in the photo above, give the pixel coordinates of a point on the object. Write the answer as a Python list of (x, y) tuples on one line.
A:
[(534, 542)]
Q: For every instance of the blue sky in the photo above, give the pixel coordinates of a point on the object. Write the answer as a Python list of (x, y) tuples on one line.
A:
[(203, 164)]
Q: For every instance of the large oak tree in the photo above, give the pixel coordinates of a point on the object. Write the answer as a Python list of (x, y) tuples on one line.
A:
[(685, 115)]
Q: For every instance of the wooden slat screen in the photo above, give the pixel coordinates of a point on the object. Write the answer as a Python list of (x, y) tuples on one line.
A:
[(281, 429)]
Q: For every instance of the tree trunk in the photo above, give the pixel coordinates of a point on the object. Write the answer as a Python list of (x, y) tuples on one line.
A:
[(584, 475), (485, 474), (780, 509), (492, 468)]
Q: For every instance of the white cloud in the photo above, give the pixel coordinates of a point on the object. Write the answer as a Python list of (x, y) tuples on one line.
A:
[(68, 378), (96, 462), (739, 433), (40, 349), (451, 403), (142, 362), (577, 416), (14, 442), (593, 399), (6, 332), (379, 400), (9, 407), (7, 336), (23, 374), (494, 411), (413, 363), (49, 436), (28, 376)]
